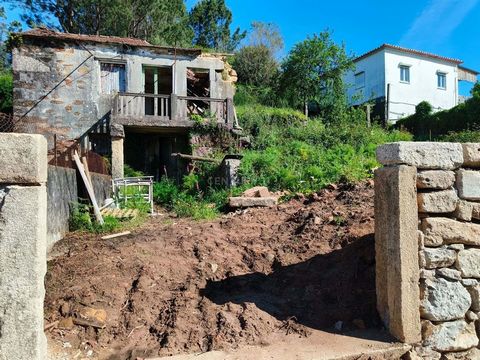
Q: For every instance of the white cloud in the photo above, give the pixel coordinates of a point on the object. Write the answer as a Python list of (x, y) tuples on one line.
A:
[(436, 22)]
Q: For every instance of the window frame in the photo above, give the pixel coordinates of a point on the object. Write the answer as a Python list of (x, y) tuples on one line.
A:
[(406, 67), (444, 75), (363, 82), (112, 62)]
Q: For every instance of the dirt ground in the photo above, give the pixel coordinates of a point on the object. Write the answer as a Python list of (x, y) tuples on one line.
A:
[(177, 286)]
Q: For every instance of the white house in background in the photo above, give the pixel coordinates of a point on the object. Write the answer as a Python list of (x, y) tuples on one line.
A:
[(396, 79)]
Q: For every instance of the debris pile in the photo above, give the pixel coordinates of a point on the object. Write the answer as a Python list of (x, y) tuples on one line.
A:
[(258, 196)]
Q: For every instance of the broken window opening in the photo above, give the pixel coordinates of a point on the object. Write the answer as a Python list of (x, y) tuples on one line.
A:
[(198, 85), (112, 78)]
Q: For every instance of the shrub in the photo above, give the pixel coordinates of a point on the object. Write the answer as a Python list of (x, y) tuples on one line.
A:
[(290, 153), (165, 192), (80, 220)]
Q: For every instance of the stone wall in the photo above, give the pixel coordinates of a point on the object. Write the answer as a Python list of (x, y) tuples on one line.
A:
[(23, 228), (428, 246), (63, 190)]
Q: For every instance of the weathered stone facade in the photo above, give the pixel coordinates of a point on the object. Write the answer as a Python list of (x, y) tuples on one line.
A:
[(448, 203)]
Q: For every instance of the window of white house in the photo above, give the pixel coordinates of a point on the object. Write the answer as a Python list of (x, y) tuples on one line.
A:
[(360, 80), (112, 78), (405, 73), (441, 80)]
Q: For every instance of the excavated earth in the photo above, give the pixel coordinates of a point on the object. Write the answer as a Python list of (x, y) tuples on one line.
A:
[(178, 286)]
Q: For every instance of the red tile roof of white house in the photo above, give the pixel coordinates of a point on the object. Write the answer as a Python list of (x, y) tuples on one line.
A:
[(408, 51)]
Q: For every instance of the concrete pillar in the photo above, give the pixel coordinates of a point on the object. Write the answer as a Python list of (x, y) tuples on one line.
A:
[(396, 251), (117, 157), (23, 230)]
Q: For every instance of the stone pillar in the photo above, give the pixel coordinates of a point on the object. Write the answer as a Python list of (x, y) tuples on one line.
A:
[(23, 230), (117, 157), (396, 251), (435, 260)]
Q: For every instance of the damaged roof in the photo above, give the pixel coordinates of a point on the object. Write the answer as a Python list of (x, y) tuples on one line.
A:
[(43, 33), (408, 51)]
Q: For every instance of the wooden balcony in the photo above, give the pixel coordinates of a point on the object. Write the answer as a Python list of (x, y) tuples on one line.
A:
[(132, 109)]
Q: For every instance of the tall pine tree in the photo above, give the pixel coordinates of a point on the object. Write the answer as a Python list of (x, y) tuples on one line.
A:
[(210, 21)]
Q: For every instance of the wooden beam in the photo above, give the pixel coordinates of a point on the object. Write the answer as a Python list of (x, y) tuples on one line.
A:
[(90, 192)]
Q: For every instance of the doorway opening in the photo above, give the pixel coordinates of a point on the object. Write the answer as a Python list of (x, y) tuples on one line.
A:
[(158, 81), (151, 152)]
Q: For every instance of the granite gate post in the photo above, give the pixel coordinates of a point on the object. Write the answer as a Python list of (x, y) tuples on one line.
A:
[(23, 230), (427, 240)]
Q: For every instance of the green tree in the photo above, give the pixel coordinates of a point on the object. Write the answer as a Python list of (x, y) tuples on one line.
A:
[(6, 91), (313, 72), (162, 22), (211, 21), (267, 35), (255, 65)]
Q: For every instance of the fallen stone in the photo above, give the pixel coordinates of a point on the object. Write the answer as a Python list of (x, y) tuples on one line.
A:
[(423, 155), (243, 202), (471, 154), (472, 354), (449, 336), (468, 184), (257, 191), (412, 355), (437, 202), (439, 231), (449, 274), (98, 316), (435, 179), (464, 210), (475, 295), (468, 262), (438, 257), (66, 323), (443, 300)]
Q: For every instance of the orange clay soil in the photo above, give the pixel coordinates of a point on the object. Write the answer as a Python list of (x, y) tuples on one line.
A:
[(178, 286)]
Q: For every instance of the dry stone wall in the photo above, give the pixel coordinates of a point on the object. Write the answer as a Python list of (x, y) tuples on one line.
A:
[(446, 233)]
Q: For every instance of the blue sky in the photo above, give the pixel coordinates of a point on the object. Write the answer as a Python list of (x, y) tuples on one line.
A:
[(445, 27)]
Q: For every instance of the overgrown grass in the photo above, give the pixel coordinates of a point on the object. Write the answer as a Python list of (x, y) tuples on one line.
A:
[(292, 153)]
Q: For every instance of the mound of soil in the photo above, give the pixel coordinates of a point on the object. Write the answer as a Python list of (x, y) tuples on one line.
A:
[(176, 285)]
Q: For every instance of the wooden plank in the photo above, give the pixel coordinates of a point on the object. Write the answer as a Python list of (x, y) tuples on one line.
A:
[(87, 172), (96, 209), (116, 235)]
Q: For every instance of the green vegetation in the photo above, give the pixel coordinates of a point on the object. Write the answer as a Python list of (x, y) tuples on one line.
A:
[(6, 91), (460, 123), (292, 153)]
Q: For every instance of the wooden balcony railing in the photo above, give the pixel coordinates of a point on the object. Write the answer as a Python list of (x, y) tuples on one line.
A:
[(131, 104), (172, 107)]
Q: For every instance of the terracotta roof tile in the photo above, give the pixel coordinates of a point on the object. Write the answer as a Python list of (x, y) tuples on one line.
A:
[(409, 51), (43, 33)]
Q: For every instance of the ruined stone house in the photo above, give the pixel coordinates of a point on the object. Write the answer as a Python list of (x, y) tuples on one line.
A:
[(122, 98)]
